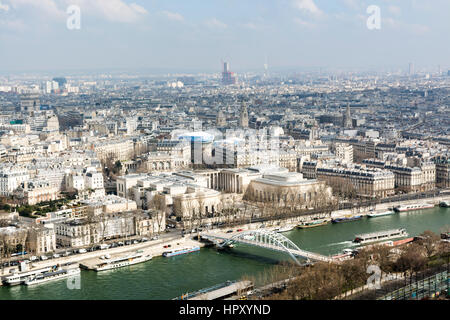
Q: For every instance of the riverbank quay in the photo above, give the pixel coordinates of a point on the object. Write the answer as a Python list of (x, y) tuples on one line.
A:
[(154, 251), (306, 217), (88, 259), (167, 239)]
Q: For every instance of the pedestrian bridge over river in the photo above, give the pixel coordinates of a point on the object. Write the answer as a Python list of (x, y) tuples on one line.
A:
[(265, 239)]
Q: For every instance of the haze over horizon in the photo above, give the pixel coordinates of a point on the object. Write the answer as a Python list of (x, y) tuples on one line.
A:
[(189, 36)]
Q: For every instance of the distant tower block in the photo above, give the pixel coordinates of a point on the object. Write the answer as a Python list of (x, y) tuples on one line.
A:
[(227, 76), (243, 120), (220, 119), (411, 69)]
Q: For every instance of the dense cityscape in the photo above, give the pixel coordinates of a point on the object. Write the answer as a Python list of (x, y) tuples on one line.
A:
[(111, 160), (271, 184)]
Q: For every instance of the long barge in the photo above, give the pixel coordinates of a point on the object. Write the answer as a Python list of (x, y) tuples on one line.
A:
[(178, 252), (347, 219), (312, 224), (412, 207), (52, 276), (380, 214), (127, 260), (21, 277)]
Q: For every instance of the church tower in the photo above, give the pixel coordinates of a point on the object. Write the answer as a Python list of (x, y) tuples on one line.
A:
[(347, 118), (220, 119), (243, 120)]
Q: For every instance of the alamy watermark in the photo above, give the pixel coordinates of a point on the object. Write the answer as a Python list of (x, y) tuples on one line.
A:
[(374, 20), (74, 19), (74, 282), (374, 281)]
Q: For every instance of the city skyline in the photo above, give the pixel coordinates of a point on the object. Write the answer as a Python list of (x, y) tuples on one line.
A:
[(196, 37)]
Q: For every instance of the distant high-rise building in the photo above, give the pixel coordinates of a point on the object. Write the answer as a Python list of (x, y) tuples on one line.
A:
[(266, 68), (227, 76), (411, 68), (448, 73), (50, 86), (243, 119), (61, 82)]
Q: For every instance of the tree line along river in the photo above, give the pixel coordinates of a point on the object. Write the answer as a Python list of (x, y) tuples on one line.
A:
[(167, 278)]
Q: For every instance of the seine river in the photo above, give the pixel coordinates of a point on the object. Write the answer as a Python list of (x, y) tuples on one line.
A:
[(167, 278)]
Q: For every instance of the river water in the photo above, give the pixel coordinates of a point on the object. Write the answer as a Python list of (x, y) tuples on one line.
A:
[(167, 278)]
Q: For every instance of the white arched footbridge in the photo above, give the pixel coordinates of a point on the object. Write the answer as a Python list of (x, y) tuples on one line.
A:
[(265, 239)]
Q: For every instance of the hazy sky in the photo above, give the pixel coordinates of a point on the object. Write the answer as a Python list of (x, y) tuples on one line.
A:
[(194, 35)]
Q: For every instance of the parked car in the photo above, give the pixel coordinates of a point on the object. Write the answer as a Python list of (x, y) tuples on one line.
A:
[(135, 241), (120, 243), (239, 230), (56, 255), (229, 231), (104, 246), (33, 258), (82, 251), (144, 239), (155, 238), (44, 258)]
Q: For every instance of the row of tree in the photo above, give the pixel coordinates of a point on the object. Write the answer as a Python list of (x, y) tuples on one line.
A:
[(323, 281)]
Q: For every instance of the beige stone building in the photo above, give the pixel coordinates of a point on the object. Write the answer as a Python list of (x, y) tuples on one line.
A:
[(41, 240), (114, 149), (288, 188), (414, 179), (365, 182), (442, 171), (197, 201)]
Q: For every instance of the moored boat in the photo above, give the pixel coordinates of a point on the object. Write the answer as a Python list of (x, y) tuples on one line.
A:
[(52, 276), (414, 206), (178, 252), (346, 219), (284, 229), (127, 260), (380, 214), (444, 204), (312, 224), (20, 278)]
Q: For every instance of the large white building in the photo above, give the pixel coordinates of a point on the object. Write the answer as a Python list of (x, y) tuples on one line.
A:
[(10, 180)]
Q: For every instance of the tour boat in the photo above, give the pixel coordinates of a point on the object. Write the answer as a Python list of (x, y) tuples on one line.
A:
[(284, 229), (347, 219), (380, 236), (124, 261), (312, 224), (415, 206), (444, 204), (19, 278), (52, 276), (178, 252), (380, 214)]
